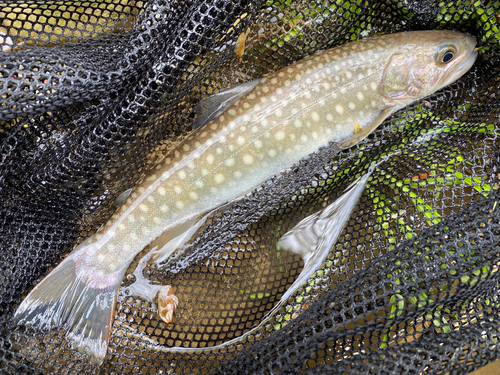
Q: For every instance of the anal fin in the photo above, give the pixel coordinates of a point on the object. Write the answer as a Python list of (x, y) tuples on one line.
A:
[(161, 249)]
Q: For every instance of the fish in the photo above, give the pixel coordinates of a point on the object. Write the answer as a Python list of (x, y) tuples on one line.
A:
[(243, 136), (314, 236)]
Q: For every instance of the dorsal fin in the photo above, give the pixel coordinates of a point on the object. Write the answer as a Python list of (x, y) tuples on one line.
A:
[(122, 198), (214, 106)]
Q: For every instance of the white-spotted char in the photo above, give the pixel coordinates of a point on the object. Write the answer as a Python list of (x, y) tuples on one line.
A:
[(249, 133)]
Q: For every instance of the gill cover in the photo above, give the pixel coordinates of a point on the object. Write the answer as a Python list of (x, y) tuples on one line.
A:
[(395, 77), (407, 76)]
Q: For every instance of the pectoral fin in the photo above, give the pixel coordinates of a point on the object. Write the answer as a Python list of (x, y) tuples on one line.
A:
[(215, 105), (361, 133)]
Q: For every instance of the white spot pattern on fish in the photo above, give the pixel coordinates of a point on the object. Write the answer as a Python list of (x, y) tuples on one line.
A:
[(279, 121)]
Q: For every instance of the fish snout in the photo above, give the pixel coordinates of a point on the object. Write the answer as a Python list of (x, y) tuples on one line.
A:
[(469, 42), (470, 58)]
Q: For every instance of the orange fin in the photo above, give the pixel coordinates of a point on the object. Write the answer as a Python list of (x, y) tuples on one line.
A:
[(361, 133)]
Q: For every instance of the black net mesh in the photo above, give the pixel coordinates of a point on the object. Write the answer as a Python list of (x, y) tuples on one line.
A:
[(93, 94)]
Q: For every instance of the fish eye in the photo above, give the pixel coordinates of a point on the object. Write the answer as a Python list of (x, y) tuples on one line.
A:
[(446, 55)]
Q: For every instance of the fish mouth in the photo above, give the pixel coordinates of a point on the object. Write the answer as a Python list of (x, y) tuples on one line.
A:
[(466, 64), (463, 67)]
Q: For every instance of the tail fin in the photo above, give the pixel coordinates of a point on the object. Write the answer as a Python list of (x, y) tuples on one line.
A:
[(66, 299), (314, 236)]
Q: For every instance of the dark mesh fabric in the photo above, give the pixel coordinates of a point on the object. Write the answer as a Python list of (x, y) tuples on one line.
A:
[(93, 94)]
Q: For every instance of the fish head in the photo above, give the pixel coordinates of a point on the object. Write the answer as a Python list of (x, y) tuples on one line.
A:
[(422, 62)]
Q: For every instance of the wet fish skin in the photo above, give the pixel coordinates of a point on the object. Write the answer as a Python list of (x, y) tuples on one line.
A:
[(339, 95)]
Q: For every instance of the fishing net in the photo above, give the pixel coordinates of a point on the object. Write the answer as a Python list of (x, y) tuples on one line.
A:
[(93, 94)]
